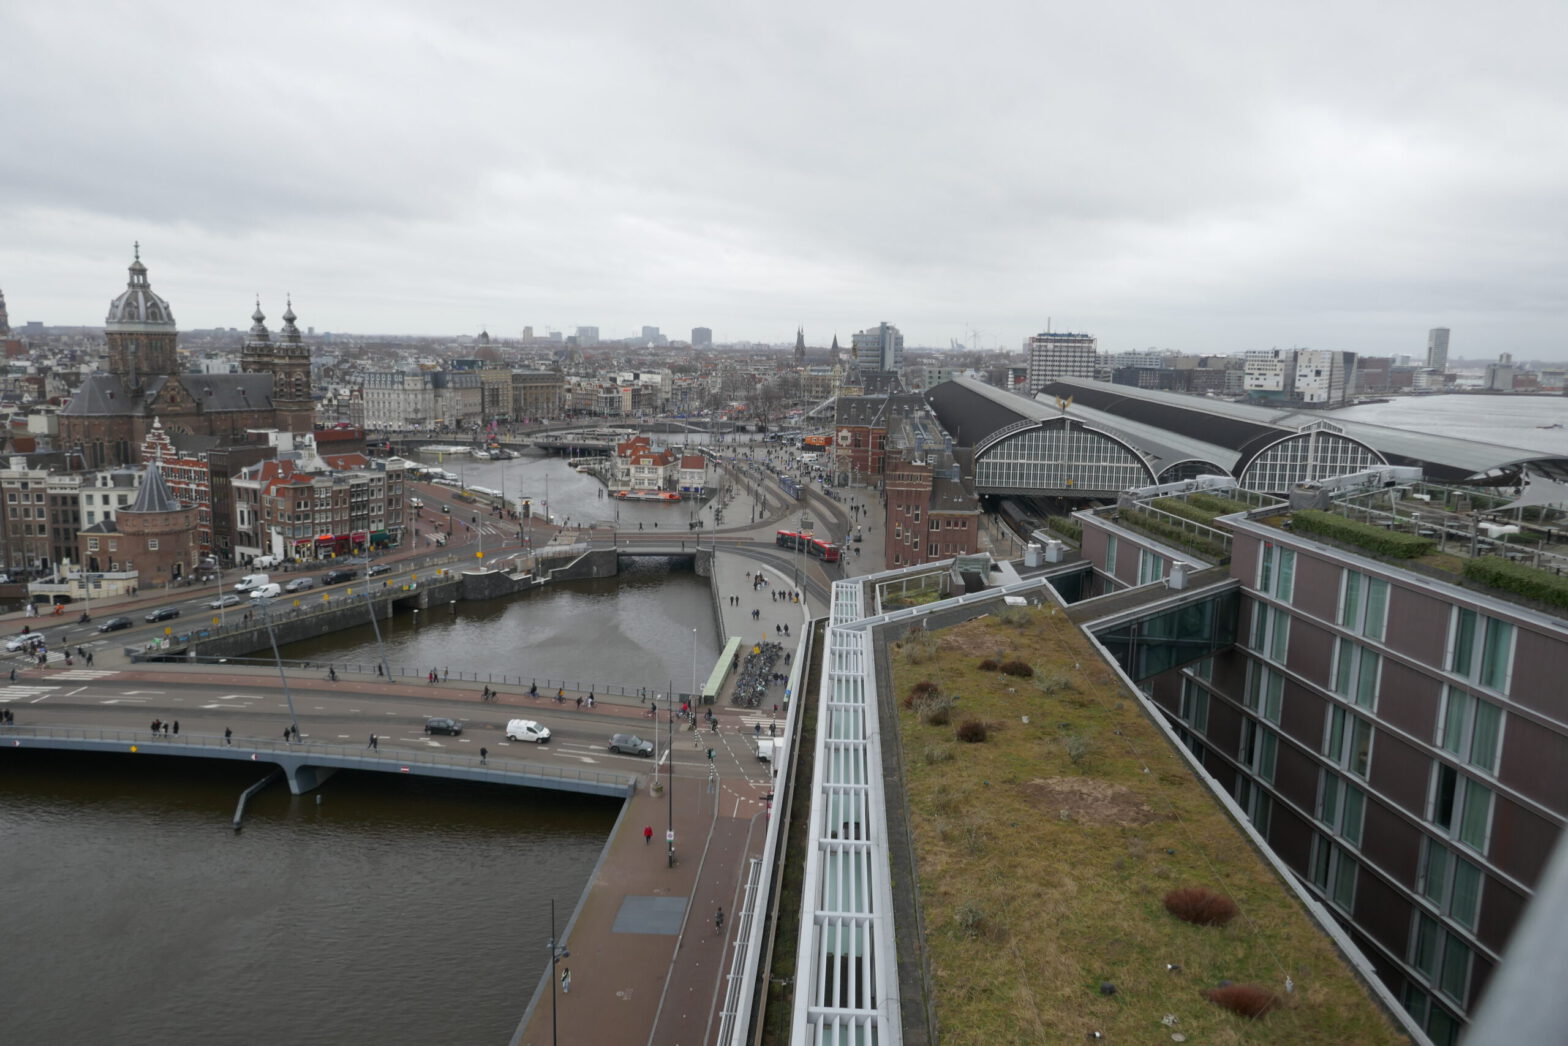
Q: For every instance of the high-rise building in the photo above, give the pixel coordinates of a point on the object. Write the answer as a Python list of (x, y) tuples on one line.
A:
[(587, 336), (1437, 349), (1064, 355), (702, 337), (879, 348), (1323, 376)]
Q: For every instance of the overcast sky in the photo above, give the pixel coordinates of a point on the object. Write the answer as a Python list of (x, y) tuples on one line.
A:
[(1204, 177)]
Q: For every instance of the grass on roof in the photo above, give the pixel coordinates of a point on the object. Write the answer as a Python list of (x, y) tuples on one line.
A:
[(1045, 851)]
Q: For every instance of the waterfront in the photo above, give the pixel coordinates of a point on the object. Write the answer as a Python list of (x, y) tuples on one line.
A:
[(632, 630), (1509, 421), (392, 911)]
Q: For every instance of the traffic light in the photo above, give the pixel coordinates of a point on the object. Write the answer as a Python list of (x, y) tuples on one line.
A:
[(528, 510)]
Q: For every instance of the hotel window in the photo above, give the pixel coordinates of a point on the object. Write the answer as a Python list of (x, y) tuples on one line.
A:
[(1342, 806), (1194, 706), (1451, 882), (1265, 691), (1349, 741), (1277, 571), (92, 544), (1151, 567), (1441, 957), (1461, 806), (1471, 729), (1259, 749), (1253, 799), (1270, 631), (1334, 871), (1481, 649), (1356, 670)]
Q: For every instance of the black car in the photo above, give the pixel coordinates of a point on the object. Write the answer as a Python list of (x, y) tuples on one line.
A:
[(379, 569), (163, 614), (332, 577), (443, 725), (114, 624)]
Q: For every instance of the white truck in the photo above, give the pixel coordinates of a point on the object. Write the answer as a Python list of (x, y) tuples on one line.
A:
[(766, 748)]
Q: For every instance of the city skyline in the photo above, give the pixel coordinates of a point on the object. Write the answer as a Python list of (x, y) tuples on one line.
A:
[(1208, 182)]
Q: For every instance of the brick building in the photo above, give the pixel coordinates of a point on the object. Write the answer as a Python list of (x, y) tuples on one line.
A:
[(930, 516), (155, 536)]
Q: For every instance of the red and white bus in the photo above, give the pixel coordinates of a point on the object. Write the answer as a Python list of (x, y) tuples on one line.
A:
[(813, 546)]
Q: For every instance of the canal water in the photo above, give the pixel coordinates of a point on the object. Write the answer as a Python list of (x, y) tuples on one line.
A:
[(651, 626), (394, 911)]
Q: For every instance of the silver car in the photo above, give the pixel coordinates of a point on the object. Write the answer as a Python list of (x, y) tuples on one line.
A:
[(630, 744)]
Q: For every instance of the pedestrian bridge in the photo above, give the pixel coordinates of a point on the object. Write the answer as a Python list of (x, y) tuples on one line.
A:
[(307, 764)]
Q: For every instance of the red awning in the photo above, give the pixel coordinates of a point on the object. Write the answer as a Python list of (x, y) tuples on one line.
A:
[(358, 535), (326, 537)]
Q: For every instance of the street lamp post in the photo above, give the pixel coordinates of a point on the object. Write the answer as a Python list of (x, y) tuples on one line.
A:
[(557, 953), (265, 605), (669, 782), (370, 605)]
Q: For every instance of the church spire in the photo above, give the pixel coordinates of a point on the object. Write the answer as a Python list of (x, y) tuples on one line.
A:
[(800, 345), (258, 323), (290, 332)]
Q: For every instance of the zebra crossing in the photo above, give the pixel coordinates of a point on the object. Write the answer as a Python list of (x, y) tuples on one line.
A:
[(84, 675), (24, 694)]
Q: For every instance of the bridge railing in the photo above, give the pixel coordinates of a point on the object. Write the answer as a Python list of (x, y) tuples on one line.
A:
[(143, 740)]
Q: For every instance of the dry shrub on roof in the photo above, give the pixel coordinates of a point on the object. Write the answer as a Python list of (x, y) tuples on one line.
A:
[(1248, 1000), (972, 731), (1021, 669), (1200, 905), (920, 691), (988, 665)]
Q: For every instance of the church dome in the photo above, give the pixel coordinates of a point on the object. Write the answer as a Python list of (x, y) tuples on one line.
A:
[(138, 307)]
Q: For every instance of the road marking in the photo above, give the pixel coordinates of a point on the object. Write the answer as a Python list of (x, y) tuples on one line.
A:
[(239, 697), (130, 701), (24, 691), (86, 674), (133, 693), (78, 690)]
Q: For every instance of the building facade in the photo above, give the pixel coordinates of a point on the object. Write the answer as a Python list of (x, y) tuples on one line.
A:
[(107, 418), (155, 536), (1437, 349), (929, 516), (1059, 355), (879, 348)]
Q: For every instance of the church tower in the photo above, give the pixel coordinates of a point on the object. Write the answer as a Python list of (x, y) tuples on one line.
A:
[(291, 377), (140, 331), (800, 346), (5, 321)]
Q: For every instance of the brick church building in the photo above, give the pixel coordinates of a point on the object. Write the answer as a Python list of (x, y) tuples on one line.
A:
[(106, 422)]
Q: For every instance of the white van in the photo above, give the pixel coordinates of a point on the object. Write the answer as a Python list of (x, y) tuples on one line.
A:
[(527, 730), (266, 592), (766, 747), (417, 502), (251, 581), (266, 562)]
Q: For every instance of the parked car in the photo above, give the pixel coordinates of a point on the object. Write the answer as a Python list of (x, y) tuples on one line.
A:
[(527, 730), (164, 614), (378, 569), (333, 577), (300, 584), (630, 744), (114, 624), (443, 725), (228, 599)]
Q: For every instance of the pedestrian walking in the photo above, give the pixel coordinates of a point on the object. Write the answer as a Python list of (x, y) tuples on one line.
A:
[(228, 736), (372, 742), (566, 981), (89, 659), (484, 756), (176, 728), (647, 835), (579, 702), (165, 729), (286, 733)]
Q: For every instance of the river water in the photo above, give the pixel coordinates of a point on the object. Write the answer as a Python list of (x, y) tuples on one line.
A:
[(1510, 421), (395, 911)]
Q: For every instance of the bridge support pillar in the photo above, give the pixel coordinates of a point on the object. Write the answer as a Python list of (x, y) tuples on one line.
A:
[(304, 777)]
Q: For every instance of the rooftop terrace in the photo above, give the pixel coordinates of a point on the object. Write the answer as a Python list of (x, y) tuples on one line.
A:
[(1045, 849)]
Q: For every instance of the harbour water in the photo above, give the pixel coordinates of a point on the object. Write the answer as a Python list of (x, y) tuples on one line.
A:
[(394, 911), (1510, 421)]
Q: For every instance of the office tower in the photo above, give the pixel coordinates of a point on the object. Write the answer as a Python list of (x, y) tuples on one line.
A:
[(701, 337), (1437, 349), (1053, 356), (879, 348), (587, 335)]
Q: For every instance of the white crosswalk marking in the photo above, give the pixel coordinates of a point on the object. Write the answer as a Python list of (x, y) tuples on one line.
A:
[(19, 692), (82, 675)]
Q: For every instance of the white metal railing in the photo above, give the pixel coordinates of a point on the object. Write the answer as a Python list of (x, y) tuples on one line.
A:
[(847, 982)]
